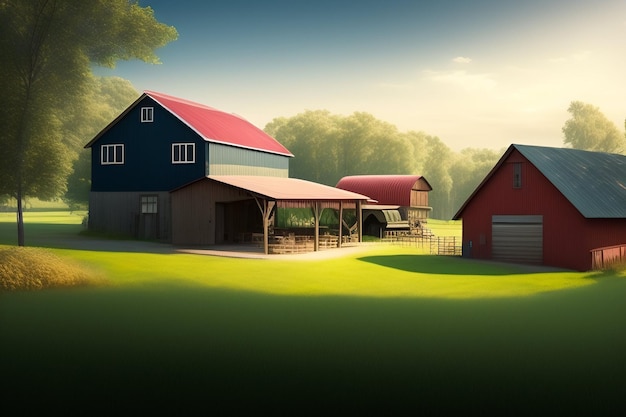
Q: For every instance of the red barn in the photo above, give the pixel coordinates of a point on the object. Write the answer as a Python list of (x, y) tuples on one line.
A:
[(552, 206)]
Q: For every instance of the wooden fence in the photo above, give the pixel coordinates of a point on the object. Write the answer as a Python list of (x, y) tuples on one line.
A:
[(605, 258), (436, 245)]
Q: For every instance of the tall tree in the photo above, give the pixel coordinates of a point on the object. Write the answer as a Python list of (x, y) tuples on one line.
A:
[(105, 98), (590, 130), (47, 49), (437, 170)]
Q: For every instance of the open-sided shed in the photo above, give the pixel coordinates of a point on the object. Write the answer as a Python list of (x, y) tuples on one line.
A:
[(219, 208)]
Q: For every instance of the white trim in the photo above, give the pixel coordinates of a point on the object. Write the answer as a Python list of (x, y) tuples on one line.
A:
[(105, 150), (147, 114), (180, 151)]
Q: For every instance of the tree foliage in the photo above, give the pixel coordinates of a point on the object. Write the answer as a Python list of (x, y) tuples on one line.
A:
[(590, 130), (47, 49), (328, 147), (105, 98)]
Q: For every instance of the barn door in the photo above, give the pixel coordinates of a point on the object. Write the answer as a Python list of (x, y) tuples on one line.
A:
[(517, 239)]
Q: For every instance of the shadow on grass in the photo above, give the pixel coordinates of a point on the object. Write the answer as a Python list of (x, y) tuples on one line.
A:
[(173, 349), (450, 265)]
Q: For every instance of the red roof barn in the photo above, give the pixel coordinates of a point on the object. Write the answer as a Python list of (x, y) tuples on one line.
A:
[(552, 206), (402, 201)]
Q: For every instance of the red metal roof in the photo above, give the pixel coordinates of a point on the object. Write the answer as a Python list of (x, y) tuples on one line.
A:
[(386, 189), (217, 126), (281, 188)]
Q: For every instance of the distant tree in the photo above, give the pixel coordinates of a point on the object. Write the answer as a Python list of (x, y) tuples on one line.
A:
[(370, 146), (437, 165), (470, 167), (327, 147), (47, 49), (589, 129), (105, 98)]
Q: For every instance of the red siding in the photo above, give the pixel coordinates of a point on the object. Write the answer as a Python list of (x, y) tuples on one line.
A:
[(567, 236)]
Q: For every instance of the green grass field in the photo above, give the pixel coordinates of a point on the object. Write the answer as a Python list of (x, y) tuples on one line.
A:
[(387, 331)]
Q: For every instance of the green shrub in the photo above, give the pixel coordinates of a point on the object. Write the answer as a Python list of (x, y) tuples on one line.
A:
[(23, 268)]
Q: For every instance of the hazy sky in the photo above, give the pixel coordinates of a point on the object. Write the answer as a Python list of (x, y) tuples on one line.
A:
[(481, 73)]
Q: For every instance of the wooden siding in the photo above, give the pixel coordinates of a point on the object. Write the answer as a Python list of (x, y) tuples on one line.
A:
[(147, 153), (120, 213), (568, 237), (419, 198), (201, 210), (229, 160)]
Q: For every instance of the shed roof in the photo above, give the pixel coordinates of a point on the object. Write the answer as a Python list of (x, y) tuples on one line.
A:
[(593, 182), (292, 189), (386, 189), (211, 124)]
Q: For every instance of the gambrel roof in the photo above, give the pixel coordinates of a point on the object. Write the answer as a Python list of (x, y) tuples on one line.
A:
[(593, 182), (211, 124)]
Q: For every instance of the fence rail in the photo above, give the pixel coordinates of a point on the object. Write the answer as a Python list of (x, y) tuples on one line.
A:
[(436, 245), (605, 258)]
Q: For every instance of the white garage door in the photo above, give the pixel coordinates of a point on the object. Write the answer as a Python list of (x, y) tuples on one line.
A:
[(517, 238)]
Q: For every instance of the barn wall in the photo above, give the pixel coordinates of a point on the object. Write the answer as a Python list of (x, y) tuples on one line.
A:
[(120, 213), (564, 227), (195, 212), (147, 153), (229, 160)]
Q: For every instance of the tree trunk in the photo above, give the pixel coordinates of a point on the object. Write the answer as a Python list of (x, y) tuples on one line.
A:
[(20, 219)]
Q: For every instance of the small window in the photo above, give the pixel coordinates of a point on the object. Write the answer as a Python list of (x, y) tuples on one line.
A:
[(147, 114), (183, 153), (149, 204), (517, 175), (112, 154)]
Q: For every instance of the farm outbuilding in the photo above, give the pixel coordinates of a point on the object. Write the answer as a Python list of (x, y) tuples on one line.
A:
[(234, 208), (553, 206), (401, 202), (178, 171)]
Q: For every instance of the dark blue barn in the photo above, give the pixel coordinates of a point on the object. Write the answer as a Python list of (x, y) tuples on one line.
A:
[(161, 143)]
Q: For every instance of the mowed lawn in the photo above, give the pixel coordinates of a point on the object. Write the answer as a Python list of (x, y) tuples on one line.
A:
[(382, 331)]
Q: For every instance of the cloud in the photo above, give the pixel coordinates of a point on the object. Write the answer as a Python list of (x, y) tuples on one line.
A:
[(463, 79), (462, 60), (576, 57)]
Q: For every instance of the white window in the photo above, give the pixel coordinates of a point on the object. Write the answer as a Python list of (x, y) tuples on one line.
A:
[(149, 204), (147, 114), (112, 154), (183, 153)]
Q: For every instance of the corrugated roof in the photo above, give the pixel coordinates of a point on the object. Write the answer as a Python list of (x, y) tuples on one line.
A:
[(280, 188), (593, 182), (386, 189), (217, 126)]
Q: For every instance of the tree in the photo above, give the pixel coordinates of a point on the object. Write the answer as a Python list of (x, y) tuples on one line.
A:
[(590, 130), (327, 147), (106, 97), (437, 171), (469, 168), (47, 49)]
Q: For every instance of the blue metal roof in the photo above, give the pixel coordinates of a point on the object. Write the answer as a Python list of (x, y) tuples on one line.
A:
[(594, 182)]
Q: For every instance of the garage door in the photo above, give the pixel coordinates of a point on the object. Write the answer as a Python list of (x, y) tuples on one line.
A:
[(517, 238)]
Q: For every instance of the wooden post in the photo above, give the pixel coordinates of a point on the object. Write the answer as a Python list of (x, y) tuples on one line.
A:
[(266, 208), (340, 224), (359, 220), (316, 214)]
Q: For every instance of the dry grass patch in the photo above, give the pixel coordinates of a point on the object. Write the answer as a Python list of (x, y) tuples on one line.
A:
[(23, 268)]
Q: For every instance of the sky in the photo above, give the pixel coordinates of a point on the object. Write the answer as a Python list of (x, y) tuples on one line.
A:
[(479, 74)]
